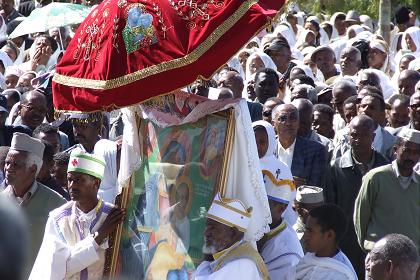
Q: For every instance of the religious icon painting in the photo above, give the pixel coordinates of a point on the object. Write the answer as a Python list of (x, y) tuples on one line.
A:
[(138, 31), (181, 170)]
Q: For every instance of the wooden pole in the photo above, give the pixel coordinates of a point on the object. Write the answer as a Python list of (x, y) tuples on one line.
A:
[(385, 19)]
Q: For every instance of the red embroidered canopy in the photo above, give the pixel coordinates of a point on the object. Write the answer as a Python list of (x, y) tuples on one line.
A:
[(126, 51)]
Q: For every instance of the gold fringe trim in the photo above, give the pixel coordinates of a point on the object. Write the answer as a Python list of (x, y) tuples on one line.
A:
[(165, 66), (290, 183)]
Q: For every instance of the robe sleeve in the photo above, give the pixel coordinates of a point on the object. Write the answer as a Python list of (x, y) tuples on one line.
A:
[(58, 260), (285, 269), (363, 208)]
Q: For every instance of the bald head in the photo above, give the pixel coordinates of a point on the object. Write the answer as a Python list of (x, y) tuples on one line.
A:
[(342, 90), (363, 122), (350, 61), (407, 82), (233, 81), (33, 109), (305, 109)]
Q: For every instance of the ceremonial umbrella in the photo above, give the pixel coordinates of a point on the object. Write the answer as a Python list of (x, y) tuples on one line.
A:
[(128, 51), (50, 16)]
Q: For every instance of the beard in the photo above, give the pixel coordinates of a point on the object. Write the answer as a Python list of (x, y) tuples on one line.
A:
[(210, 248)]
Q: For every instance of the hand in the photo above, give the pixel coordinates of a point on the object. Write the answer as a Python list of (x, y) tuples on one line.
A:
[(299, 181), (46, 53), (111, 222)]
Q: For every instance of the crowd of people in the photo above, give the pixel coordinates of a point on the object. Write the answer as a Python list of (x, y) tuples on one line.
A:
[(335, 109)]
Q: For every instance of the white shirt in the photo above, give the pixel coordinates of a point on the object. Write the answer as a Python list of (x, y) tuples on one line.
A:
[(282, 253), (243, 269), (404, 181), (377, 142), (286, 155)]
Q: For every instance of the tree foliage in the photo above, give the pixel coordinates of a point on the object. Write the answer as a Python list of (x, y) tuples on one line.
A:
[(367, 7)]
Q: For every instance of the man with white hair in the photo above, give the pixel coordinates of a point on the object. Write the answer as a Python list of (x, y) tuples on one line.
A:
[(227, 254), (23, 162)]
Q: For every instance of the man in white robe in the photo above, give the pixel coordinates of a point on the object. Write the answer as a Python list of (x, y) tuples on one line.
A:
[(76, 233), (227, 255), (324, 228)]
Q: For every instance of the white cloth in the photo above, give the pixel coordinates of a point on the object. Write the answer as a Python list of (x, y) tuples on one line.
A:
[(58, 258), (282, 253), (244, 180), (311, 267), (267, 61), (341, 257), (269, 161), (239, 269), (286, 155), (414, 33), (109, 185)]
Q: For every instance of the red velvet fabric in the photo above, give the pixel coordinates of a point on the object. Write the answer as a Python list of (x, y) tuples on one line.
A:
[(152, 47)]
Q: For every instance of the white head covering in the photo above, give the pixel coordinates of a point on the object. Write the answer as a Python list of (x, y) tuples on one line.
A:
[(356, 28), (414, 33), (277, 176), (302, 37), (86, 163), (410, 135), (367, 22), (26, 143), (230, 212), (287, 32), (309, 194), (5, 59), (268, 62), (383, 47), (236, 64)]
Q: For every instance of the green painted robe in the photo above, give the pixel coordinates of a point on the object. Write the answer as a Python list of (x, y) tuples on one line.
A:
[(383, 206)]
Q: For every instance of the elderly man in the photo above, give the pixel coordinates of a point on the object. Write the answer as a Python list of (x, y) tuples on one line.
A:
[(280, 247), (324, 58), (87, 130), (307, 198), (33, 109), (306, 158), (345, 179), (23, 162), (394, 257), (407, 81), (350, 61), (388, 201), (76, 233), (227, 253)]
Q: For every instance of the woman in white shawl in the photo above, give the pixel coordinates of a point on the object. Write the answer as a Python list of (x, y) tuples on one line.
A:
[(269, 161), (306, 38), (379, 56), (257, 61), (411, 40), (286, 31)]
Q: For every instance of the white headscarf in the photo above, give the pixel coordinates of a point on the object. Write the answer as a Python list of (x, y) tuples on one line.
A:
[(236, 64), (302, 37), (268, 63), (356, 28), (414, 33), (287, 32), (5, 59), (3, 28)]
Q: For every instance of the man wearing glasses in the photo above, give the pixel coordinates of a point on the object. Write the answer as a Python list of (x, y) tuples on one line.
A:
[(33, 109), (306, 158)]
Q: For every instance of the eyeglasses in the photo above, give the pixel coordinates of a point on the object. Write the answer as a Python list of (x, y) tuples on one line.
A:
[(267, 113), (291, 117)]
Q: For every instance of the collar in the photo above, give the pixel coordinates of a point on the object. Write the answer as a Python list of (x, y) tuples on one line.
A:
[(276, 230), (27, 196), (91, 214), (291, 147), (394, 167), (218, 255)]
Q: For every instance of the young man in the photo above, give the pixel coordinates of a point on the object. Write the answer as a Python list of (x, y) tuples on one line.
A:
[(76, 233), (324, 228), (227, 254)]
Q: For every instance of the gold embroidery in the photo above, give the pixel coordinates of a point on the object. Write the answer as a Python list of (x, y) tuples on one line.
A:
[(194, 13), (121, 3), (164, 66)]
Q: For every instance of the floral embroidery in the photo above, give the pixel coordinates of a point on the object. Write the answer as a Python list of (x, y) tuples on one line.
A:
[(196, 14), (138, 31)]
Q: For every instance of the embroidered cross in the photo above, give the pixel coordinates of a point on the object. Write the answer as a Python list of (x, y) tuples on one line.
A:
[(278, 173), (74, 162)]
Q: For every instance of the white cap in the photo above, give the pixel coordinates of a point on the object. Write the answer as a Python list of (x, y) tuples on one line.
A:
[(277, 189), (309, 194), (410, 135), (26, 143), (230, 212), (86, 163)]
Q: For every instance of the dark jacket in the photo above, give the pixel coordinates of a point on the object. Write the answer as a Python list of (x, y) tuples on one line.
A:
[(255, 110), (343, 185)]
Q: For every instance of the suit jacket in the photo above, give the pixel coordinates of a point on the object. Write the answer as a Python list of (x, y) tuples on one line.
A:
[(309, 161), (26, 8), (255, 110)]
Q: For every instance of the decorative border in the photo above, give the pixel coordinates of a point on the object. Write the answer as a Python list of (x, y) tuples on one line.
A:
[(164, 66)]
